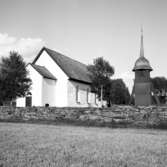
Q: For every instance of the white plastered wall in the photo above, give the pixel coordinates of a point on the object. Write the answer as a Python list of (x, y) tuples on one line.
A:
[(36, 88), (60, 90), (20, 102), (48, 97), (72, 102)]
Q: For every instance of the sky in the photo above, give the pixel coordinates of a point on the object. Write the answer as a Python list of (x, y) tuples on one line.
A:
[(87, 29)]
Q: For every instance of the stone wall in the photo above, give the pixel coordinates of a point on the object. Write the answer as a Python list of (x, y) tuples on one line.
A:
[(116, 116)]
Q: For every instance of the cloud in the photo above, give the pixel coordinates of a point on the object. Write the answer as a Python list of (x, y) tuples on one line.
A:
[(27, 47)]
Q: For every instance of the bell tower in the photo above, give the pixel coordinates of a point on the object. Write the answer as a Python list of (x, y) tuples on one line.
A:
[(142, 82)]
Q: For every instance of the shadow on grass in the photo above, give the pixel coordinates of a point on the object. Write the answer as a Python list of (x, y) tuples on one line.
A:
[(90, 123), (87, 123)]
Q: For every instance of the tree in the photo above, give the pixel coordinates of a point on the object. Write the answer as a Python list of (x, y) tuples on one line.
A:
[(14, 81), (101, 72), (119, 93), (160, 87), (159, 83)]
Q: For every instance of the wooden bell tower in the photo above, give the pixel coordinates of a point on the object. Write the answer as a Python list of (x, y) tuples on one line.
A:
[(142, 83)]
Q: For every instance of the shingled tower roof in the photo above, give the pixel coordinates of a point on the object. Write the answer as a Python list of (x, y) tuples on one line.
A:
[(142, 63)]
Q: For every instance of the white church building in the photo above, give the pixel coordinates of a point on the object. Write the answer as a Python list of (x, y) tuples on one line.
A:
[(59, 81)]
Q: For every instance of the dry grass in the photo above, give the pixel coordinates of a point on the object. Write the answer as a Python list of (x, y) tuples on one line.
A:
[(48, 145)]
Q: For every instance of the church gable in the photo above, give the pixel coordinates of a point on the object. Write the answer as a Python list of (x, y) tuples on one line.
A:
[(36, 88), (61, 85), (45, 60)]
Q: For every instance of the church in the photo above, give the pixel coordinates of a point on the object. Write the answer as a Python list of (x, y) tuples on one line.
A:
[(58, 81)]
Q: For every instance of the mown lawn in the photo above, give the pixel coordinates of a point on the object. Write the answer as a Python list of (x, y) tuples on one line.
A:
[(52, 145)]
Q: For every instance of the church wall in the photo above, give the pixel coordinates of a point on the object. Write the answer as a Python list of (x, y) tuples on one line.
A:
[(60, 91), (48, 97), (84, 99), (20, 102), (36, 88)]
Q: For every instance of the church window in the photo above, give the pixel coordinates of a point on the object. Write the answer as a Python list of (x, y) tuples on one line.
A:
[(95, 98), (77, 94), (88, 95)]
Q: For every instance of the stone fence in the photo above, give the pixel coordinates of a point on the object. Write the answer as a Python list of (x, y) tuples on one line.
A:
[(115, 116)]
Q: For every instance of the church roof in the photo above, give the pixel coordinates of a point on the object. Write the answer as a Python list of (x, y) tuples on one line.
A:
[(44, 71), (72, 68), (142, 63)]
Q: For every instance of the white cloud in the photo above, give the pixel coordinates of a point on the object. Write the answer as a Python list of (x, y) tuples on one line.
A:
[(27, 47)]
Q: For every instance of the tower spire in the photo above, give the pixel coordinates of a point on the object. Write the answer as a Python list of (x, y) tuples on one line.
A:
[(141, 44)]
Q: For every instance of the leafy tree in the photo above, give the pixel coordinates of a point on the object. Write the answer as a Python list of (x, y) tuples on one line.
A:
[(159, 83), (100, 72), (14, 81), (119, 93), (160, 87)]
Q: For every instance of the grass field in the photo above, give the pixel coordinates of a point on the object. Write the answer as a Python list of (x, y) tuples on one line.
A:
[(49, 145)]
